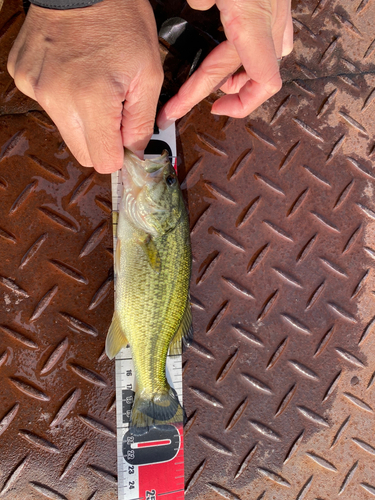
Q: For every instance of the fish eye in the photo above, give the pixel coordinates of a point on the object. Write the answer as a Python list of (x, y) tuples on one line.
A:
[(170, 180)]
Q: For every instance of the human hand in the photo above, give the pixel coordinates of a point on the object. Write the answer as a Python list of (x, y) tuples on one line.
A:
[(259, 33), (97, 72)]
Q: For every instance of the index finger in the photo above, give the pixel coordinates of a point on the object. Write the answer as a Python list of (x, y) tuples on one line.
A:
[(211, 74), (89, 121), (100, 114)]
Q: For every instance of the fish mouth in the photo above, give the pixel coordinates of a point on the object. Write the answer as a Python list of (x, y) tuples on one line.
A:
[(154, 165), (151, 166), (136, 175)]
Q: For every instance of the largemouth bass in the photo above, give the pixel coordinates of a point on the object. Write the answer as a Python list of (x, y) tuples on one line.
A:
[(153, 267)]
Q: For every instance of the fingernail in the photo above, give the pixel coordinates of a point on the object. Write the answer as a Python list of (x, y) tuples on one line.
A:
[(139, 153), (213, 110), (166, 123)]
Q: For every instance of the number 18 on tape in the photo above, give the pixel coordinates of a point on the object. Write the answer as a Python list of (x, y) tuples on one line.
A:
[(150, 465)]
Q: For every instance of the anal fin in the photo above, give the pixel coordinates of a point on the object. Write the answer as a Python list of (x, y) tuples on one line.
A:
[(184, 332), (116, 338)]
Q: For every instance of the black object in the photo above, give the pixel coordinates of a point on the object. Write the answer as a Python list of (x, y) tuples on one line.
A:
[(166, 445), (187, 46), (63, 4)]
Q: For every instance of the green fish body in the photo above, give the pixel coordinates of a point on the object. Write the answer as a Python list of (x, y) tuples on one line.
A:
[(153, 267)]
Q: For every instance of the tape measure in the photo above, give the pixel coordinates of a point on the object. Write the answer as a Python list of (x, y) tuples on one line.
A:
[(150, 466)]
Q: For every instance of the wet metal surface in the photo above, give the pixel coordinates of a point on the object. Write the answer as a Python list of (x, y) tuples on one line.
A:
[(278, 385), (57, 414), (57, 419)]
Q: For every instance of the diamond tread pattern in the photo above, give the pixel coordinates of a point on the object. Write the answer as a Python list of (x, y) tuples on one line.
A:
[(279, 381), (57, 416)]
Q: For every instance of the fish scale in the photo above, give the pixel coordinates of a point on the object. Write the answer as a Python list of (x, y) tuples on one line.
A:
[(152, 300), (158, 468)]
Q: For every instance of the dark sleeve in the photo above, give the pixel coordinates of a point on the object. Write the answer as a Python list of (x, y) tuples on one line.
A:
[(64, 4)]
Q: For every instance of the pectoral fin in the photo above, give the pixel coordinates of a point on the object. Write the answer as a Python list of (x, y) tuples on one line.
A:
[(152, 254), (184, 332), (116, 338)]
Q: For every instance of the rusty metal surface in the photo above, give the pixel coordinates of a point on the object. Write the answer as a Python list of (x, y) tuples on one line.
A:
[(57, 418), (278, 385), (57, 413)]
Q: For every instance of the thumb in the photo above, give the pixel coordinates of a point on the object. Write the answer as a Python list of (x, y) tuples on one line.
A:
[(138, 116)]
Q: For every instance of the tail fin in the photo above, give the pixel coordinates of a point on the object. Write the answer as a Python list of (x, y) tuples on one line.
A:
[(157, 409)]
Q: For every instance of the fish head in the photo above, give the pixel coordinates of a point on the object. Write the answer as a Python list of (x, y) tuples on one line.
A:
[(152, 195)]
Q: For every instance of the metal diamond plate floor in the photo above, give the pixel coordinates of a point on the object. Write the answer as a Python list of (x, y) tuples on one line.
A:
[(279, 382)]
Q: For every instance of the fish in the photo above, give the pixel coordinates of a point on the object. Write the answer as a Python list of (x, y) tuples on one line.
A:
[(152, 261)]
